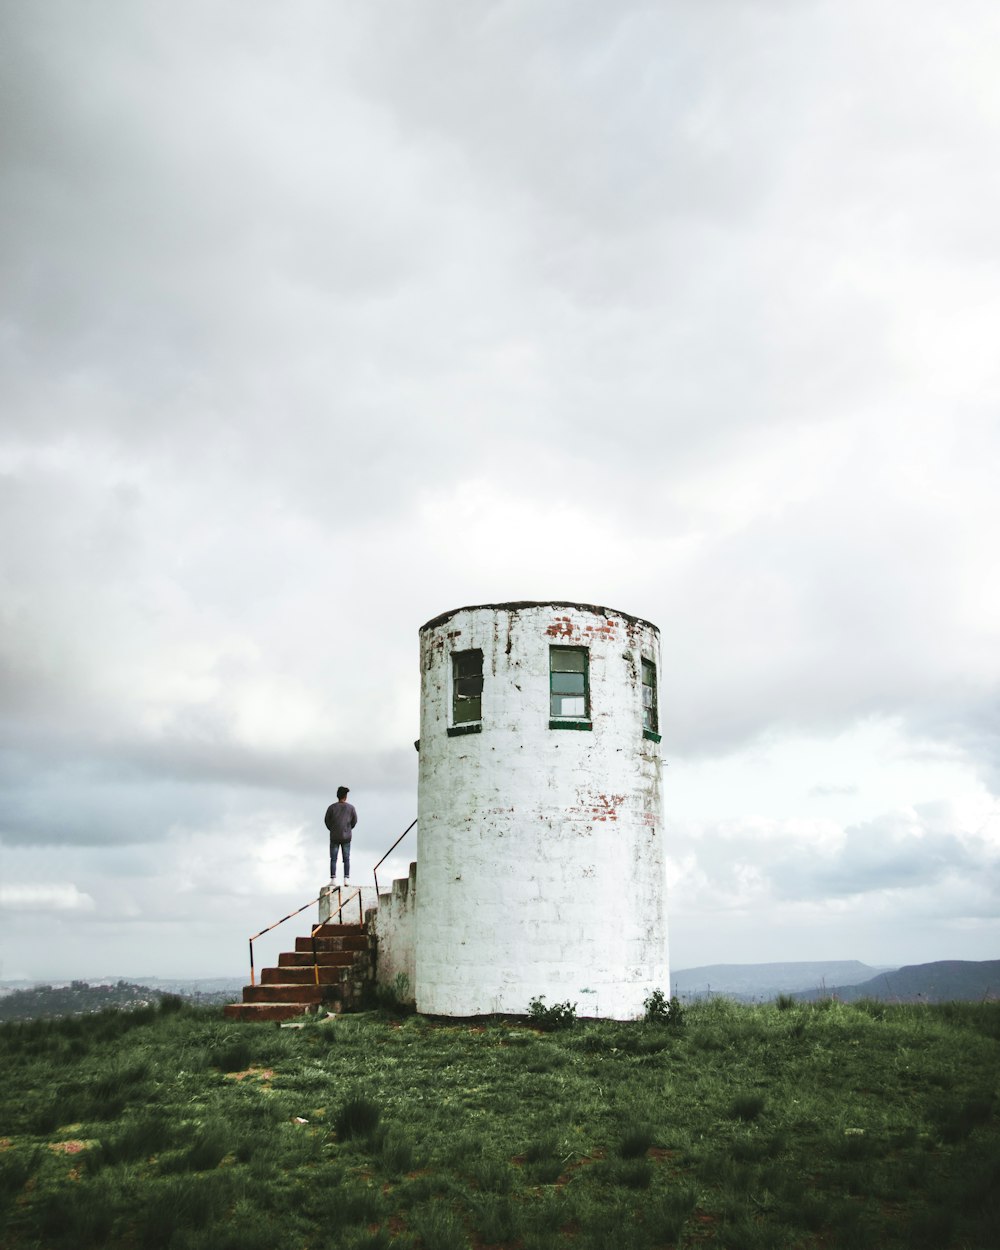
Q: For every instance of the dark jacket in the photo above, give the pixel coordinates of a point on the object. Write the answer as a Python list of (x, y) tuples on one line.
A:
[(340, 820)]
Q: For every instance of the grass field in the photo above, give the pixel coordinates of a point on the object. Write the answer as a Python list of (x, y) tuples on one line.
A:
[(784, 1125)]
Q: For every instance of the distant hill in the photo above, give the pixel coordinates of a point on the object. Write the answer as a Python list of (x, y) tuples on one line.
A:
[(41, 1002), (947, 980), (757, 982)]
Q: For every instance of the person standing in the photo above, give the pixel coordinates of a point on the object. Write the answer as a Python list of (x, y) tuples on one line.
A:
[(340, 820)]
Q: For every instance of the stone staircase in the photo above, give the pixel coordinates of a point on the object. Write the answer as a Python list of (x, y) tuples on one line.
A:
[(338, 981)]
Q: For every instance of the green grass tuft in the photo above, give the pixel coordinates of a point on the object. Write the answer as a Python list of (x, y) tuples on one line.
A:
[(357, 1117), (747, 1107)]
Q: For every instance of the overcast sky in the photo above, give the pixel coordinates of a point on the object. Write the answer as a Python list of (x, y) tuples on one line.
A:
[(320, 319)]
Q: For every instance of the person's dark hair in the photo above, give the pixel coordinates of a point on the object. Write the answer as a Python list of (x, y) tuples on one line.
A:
[(342, 792)]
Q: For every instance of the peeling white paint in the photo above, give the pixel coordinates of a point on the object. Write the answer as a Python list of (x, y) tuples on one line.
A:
[(393, 923)]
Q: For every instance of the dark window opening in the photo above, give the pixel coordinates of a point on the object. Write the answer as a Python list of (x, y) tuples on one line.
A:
[(650, 719), (569, 683), (466, 687)]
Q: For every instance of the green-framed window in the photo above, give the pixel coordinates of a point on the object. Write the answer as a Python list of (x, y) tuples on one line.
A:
[(650, 714), (466, 687), (569, 683)]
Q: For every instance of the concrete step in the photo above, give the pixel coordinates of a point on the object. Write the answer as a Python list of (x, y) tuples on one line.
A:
[(325, 941), (332, 929), (283, 993), (251, 1012), (306, 974), (325, 959)]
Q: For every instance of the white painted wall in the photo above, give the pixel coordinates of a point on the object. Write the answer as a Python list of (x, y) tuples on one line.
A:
[(393, 922), (542, 867)]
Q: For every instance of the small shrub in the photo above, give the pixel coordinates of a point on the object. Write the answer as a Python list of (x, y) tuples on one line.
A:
[(661, 1010), (550, 1019), (785, 1002), (358, 1117)]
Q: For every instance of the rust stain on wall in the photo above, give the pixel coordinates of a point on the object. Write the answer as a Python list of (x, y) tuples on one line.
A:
[(598, 807)]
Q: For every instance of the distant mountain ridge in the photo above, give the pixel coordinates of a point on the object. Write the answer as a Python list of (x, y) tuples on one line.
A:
[(946, 980), (756, 982)]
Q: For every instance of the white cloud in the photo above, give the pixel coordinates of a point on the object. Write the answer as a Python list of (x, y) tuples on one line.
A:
[(44, 897)]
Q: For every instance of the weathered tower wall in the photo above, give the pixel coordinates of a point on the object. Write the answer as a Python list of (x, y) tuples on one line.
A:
[(541, 848)]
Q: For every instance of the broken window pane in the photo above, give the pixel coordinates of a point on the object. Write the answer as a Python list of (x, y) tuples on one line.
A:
[(466, 687), (468, 663), (649, 713)]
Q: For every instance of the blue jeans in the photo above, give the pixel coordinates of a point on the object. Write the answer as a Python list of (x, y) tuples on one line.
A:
[(345, 850)]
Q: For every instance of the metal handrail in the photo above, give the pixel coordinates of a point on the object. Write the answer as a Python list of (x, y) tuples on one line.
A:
[(274, 926), (341, 904), (388, 853)]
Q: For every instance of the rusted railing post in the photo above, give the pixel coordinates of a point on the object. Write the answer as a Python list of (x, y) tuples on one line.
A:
[(388, 853)]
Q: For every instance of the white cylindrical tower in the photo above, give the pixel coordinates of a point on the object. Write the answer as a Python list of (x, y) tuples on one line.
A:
[(541, 858)]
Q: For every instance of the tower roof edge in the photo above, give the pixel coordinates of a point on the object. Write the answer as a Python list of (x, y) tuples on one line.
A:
[(520, 604)]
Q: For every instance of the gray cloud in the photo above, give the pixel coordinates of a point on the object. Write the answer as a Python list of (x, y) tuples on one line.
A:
[(312, 328)]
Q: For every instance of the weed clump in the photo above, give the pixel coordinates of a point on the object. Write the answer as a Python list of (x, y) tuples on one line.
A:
[(396, 1152), (635, 1141), (551, 1019), (231, 1053), (358, 1117), (747, 1107), (439, 1228)]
